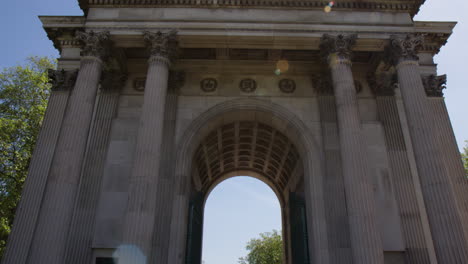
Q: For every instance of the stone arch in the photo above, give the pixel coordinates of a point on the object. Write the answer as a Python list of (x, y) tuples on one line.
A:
[(284, 121)]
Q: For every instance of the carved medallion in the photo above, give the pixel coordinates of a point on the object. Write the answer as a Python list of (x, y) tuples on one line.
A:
[(139, 84), (208, 85), (287, 85), (248, 85)]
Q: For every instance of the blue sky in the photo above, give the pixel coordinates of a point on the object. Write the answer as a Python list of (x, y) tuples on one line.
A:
[(252, 206)]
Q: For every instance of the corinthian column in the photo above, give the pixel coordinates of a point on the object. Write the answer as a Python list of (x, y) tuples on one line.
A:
[(28, 210), (365, 238), (443, 213), (141, 208), (58, 202)]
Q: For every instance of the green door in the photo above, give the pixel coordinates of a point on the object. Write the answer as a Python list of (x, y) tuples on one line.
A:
[(195, 230), (299, 239)]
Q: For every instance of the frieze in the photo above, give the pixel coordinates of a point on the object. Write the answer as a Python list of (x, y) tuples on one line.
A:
[(208, 85), (175, 82), (62, 80), (434, 85), (248, 85), (287, 85)]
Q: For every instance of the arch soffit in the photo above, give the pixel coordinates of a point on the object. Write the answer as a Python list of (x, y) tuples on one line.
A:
[(241, 110)]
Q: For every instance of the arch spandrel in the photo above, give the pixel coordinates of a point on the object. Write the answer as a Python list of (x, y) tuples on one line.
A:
[(279, 118)]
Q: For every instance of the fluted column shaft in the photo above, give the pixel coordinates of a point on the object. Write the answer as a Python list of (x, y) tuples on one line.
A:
[(365, 239), (141, 209), (83, 223), (413, 215), (57, 206), (27, 212), (444, 217)]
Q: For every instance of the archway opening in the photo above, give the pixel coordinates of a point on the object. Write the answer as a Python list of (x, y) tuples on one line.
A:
[(236, 211), (257, 149)]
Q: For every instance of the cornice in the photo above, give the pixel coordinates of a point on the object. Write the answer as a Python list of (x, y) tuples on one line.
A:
[(406, 6), (62, 29)]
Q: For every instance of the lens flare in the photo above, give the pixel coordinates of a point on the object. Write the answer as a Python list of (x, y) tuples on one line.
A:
[(282, 65), (328, 7)]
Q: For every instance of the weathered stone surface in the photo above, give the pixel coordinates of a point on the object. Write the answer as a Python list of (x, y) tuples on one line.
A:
[(123, 166)]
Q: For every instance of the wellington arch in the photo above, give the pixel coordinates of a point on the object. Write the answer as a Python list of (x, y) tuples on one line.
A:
[(339, 110)]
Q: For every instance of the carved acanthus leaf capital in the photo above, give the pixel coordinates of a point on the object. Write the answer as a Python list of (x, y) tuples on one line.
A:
[(434, 85), (161, 44), (337, 46), (112, 80), (62, 80), (94, 44), (404, 48), (382, 83), (323, 83)]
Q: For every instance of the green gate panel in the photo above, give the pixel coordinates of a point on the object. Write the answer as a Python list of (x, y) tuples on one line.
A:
[(195, 230), (299, 238)]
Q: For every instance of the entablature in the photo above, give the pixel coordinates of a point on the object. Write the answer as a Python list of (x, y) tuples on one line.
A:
[(209, 37)]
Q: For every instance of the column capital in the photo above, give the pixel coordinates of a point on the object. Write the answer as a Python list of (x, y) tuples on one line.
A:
[(434, 85), (382, 83), (94, 44), (323, 83), (62, 80), (162, 45), (404, 49), (337, 49), (112, 80)]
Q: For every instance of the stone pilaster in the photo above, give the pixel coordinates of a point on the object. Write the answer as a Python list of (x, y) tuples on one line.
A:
[(82, 226), (28, 209), (58, 202), (443, 212), (365, 238), (141, 209), (407, 187)]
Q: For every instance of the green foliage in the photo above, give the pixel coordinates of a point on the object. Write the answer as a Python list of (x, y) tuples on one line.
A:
[(24, 93), (464, 155), (268, 249)]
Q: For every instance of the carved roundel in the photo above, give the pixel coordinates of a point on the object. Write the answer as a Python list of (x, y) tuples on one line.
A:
[(248, 85), (209, 85), (287, 85), (139, 84)]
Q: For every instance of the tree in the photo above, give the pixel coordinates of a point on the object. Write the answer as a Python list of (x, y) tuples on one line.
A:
[(464, 155), (24, 92), (268, 249)]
